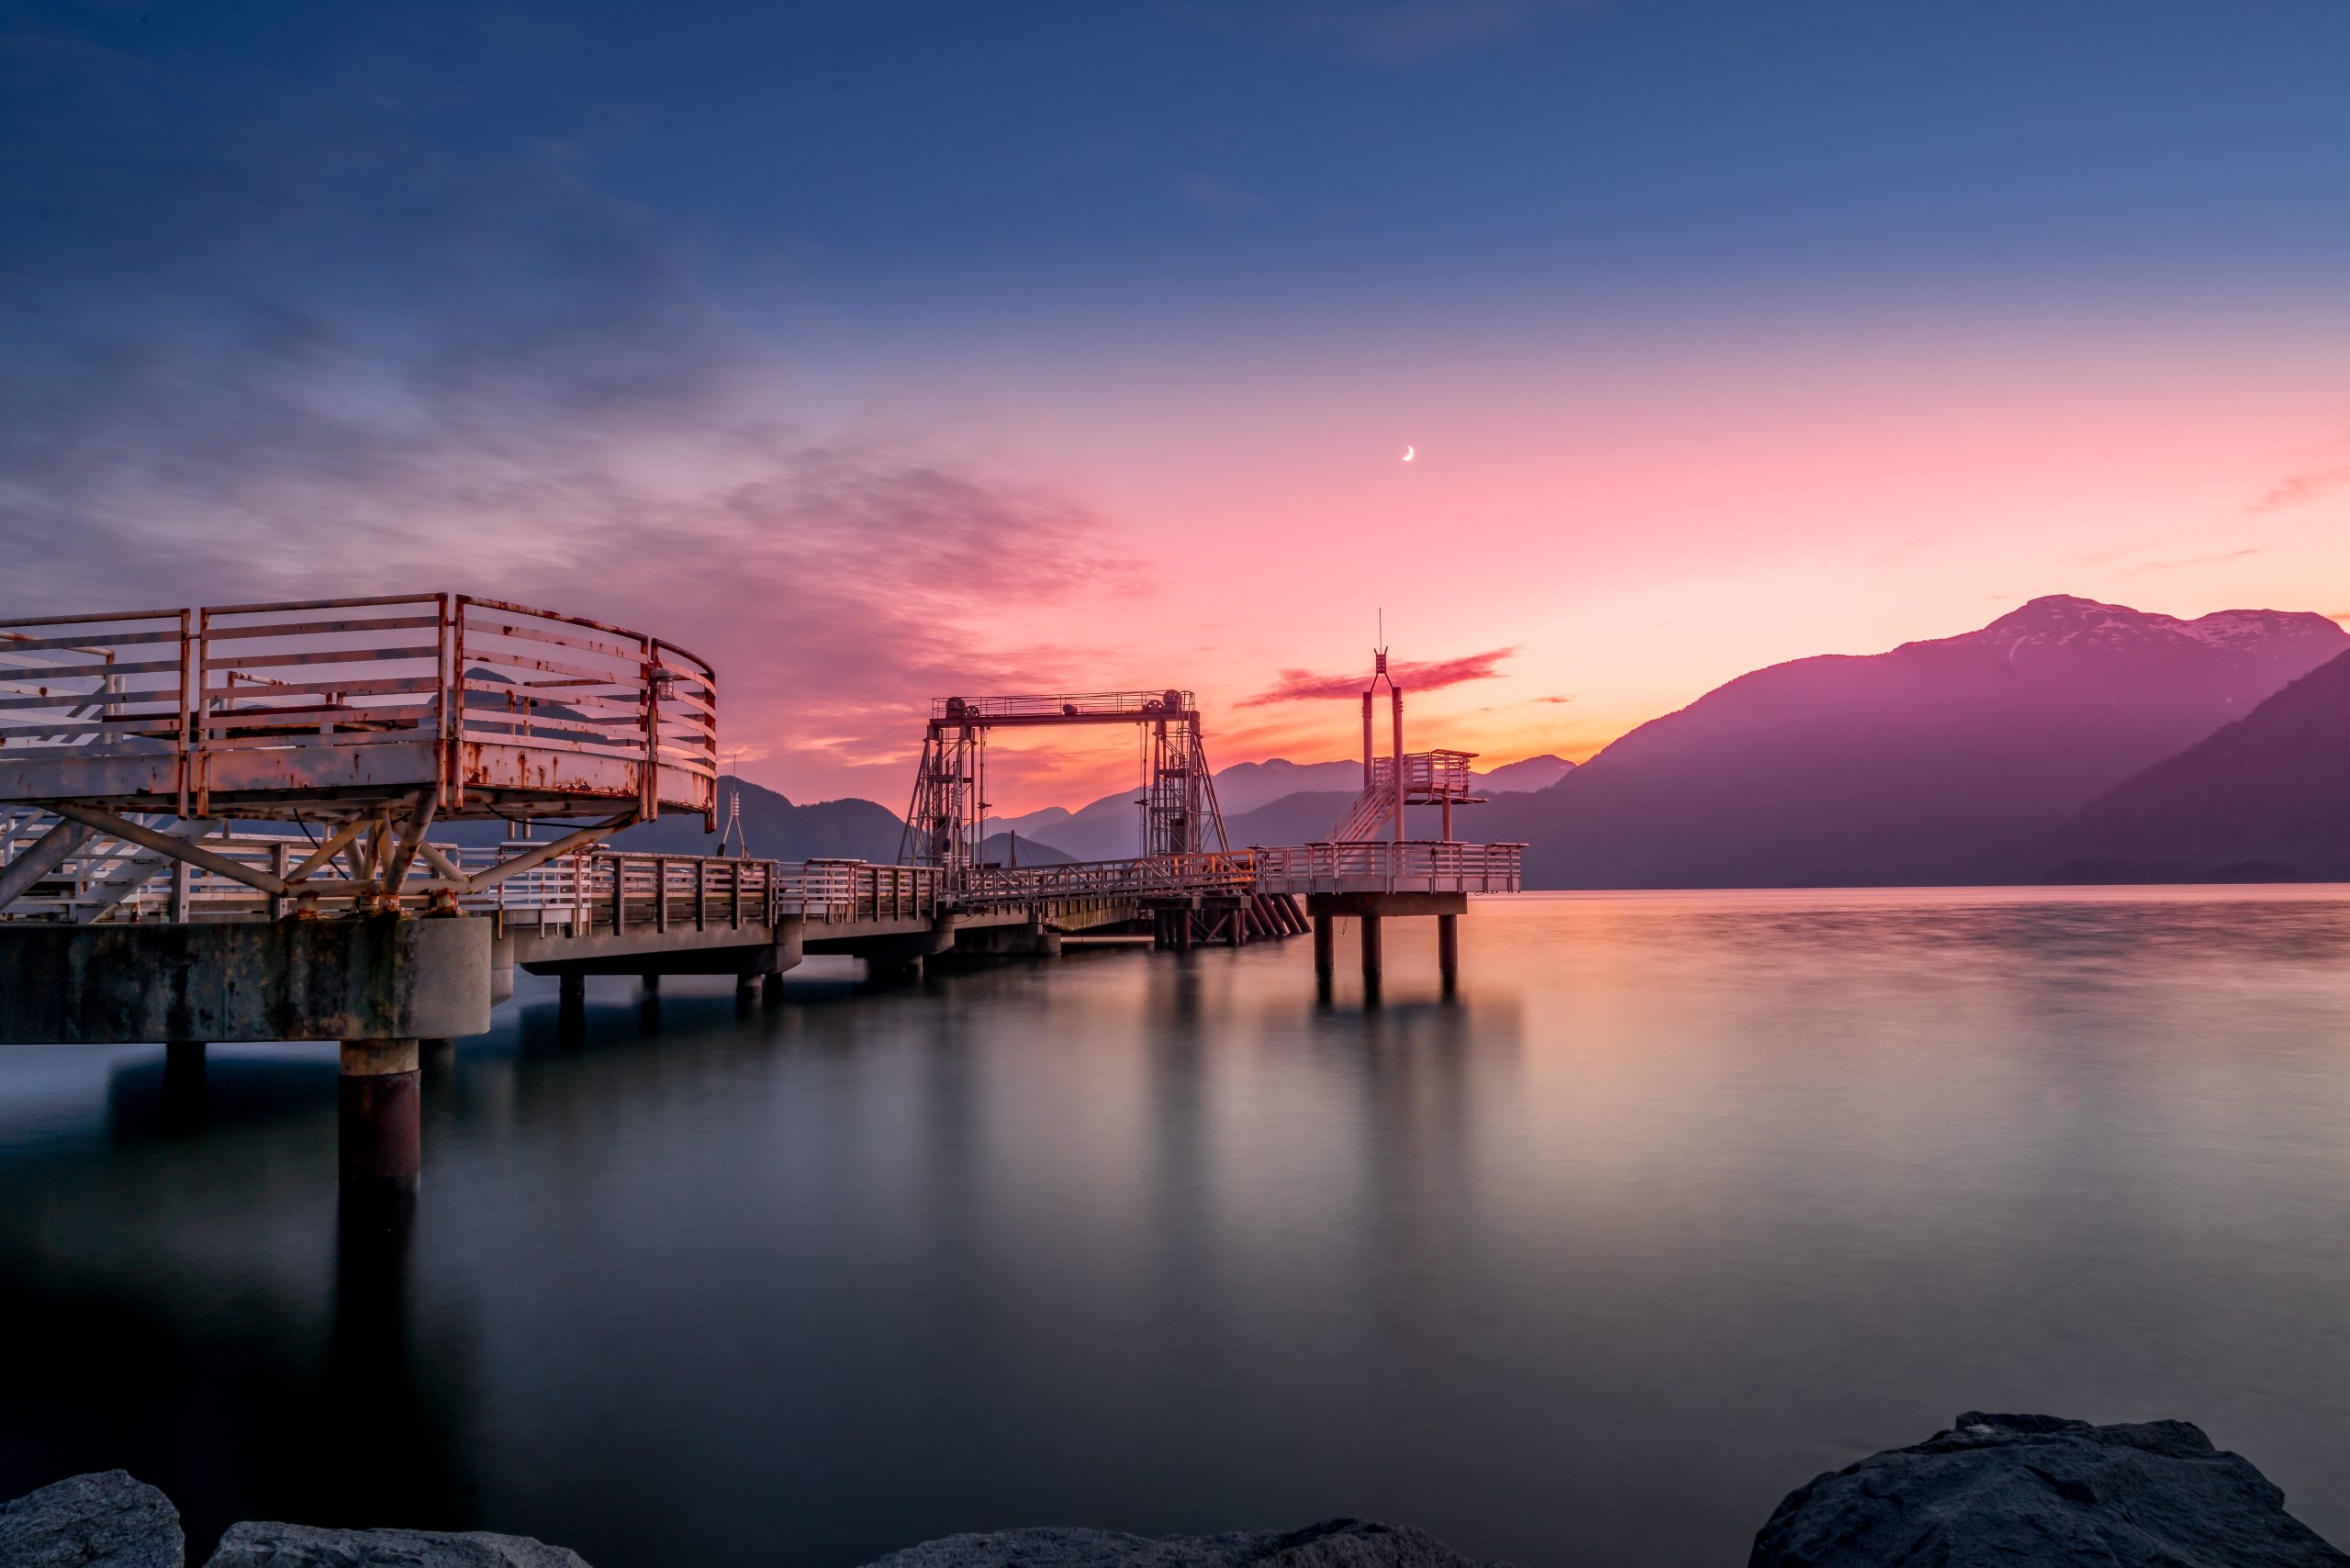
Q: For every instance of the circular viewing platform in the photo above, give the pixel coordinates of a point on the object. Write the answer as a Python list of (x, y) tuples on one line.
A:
[(335, 708)]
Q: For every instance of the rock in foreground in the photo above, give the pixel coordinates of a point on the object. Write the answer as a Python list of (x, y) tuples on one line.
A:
[(2021, 1490), (104, 1520), (304, 1546), (1337, 1543)]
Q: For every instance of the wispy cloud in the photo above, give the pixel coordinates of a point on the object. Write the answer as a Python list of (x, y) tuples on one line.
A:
[(2299, 490), (1301, 686), (259, 344), (1214, 194), (2212, 560)]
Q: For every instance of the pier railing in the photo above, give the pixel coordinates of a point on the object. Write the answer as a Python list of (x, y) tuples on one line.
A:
[(607, 889), (1225, 871), (594, 889), (1381, 866), (328, 708)]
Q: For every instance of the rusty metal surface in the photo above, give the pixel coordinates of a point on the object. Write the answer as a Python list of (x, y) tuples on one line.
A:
[(333, 708)]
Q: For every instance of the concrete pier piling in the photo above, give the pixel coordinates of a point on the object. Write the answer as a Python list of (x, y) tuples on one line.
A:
[(380, 1140), (1325, 947), (1447, 949)]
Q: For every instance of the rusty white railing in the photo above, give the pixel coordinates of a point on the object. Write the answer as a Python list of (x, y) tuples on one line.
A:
[(1228, 871), (1384, 865), (590, 890), (619, 890), (341, 701)]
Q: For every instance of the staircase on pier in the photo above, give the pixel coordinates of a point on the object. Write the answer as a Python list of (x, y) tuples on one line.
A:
[(1430, 778)]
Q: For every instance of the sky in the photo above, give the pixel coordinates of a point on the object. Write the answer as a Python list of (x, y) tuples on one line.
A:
[(884, 352)]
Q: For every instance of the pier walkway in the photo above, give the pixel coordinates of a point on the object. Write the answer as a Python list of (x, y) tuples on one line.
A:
[(219, 824)]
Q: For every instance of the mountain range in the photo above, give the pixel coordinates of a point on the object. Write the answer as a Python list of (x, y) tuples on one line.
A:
[(2265, 796), (2071, 738), (1946, 761)]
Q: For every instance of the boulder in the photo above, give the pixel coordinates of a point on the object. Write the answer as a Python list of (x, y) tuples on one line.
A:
[(104, 1520), (2020, 1491), (253, 1545), (1335, 1543)]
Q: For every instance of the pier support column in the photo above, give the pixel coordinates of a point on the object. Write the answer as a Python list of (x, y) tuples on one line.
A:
[(651, 985), (1371, 957), (1447, 949), (381, 1146), (1326, 946), (571, 990), (770, 989)]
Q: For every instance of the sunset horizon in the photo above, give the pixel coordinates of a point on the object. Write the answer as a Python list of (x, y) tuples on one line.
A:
[(1175, 784)]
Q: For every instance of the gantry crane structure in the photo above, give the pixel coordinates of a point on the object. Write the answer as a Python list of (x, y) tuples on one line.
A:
[(946, 820)]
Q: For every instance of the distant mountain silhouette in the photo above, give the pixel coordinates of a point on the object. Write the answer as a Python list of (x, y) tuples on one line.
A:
[(1938, 762), (1002, 850), (1525, 776), (2272, 789), (775, 829)]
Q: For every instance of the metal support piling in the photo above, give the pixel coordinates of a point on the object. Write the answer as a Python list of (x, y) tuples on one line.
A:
[(379, 1135)]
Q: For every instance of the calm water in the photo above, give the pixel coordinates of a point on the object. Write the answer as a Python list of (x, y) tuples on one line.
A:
[(1685, 1199)]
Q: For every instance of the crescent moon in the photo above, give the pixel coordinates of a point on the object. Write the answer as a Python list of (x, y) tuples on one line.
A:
[(1407, 453)]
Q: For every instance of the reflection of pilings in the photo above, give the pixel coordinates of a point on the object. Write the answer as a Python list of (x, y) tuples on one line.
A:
[(184, 1087), (1447, 949), (379, 1132), (882, 969)]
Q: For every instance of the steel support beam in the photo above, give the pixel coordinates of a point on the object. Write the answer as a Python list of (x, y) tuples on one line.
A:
[(47, 853)]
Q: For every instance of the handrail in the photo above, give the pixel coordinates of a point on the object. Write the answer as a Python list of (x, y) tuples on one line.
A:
[(1386, 866), (604, 888), (337, 706)]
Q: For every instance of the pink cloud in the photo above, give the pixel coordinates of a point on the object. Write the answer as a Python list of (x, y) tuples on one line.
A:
[(2299, 489), (1301, 686)]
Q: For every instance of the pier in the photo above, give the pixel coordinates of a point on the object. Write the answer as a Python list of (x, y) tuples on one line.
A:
[(219, 824)]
